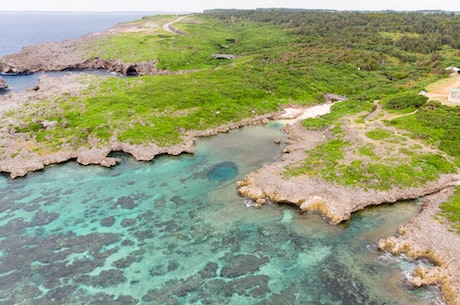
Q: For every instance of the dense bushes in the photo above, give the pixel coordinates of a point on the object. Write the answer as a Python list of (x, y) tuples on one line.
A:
[(405, 101)]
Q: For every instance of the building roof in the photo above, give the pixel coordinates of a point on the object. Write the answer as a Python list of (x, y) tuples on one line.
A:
[(454, 90)]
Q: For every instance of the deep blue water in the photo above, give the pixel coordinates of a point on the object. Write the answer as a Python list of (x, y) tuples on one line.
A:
[(175, 230), (22, 29)]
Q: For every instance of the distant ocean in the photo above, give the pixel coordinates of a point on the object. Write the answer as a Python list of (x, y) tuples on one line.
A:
[(19, 29)]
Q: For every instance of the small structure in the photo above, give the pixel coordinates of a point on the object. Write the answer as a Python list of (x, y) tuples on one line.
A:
[(454, 95), (453, 69), (224, 56)]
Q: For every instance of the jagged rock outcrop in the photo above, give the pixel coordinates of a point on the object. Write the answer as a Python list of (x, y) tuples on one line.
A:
[(429, 236), (3, 84), (39, 58), (70, 55)]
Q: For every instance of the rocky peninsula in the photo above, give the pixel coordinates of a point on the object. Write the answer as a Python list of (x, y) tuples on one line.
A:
[(426, 236), (23, 151)]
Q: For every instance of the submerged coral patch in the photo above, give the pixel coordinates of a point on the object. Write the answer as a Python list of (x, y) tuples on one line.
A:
[(223, 171)]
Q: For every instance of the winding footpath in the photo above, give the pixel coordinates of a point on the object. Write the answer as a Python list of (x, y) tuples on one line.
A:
[(169, 28)]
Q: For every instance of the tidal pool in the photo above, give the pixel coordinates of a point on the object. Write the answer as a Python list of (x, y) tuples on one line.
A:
[(175, 231)]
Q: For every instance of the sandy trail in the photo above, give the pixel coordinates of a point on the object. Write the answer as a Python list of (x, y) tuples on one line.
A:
[(293, 115), (168, 26)]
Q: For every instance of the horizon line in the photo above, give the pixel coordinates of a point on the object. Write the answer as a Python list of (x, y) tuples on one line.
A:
[(241, 9)]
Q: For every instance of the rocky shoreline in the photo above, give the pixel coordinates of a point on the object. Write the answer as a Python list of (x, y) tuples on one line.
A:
[(423, 237), (428, 236), (73, 54), (18, 159), (335, 202)]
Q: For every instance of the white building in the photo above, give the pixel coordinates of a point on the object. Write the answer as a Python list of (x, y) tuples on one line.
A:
[(453, 69), (454, 95)]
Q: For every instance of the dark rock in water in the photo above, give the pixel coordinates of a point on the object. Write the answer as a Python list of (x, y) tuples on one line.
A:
[(3, 84), (126, 202), (108, 221), (173, 265), (128, 222), (178, 200), (61, 294), (242, 264), (103, 299), (336, 280), (219, 287), (223, 171), (252, 285), (14, 226), (286, 296), (142, 235), (127, 243), (105, 279), (43, 218), (125, 262), (31, 207), (209, 271), (159, 296)]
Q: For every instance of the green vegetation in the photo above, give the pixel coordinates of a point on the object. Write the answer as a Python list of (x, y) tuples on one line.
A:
[(327, 161), (405, 101), (435, 123), (438, 124), (379, 134), (451, 210)]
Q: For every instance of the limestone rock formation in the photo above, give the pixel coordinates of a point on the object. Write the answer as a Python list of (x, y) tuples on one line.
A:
[(3, 84), (428, 235)]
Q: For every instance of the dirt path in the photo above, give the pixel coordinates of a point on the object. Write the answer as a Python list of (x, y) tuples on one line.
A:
[(169, 28)]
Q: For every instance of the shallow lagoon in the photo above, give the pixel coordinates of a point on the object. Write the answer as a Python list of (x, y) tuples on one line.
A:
[(175, 231)]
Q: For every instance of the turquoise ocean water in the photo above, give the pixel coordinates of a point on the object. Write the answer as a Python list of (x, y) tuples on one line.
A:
[(175, 231)]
